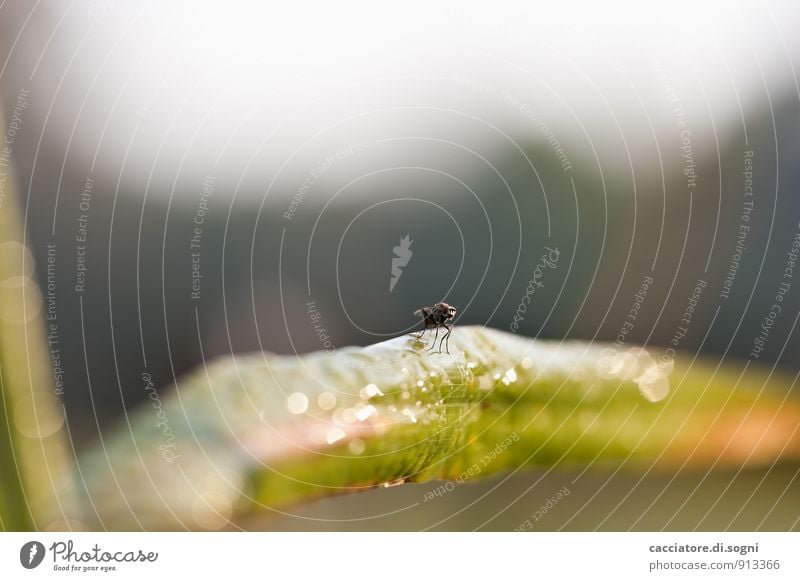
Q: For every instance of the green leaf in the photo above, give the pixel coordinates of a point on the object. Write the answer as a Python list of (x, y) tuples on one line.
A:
[(252, 433)]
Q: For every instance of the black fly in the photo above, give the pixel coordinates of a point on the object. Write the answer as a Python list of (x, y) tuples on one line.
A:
[(439, 315)]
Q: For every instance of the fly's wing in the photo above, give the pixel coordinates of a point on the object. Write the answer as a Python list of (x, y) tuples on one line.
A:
[(428, 316)]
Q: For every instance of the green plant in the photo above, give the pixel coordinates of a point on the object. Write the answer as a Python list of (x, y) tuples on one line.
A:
[(35, 483), (256, 431)]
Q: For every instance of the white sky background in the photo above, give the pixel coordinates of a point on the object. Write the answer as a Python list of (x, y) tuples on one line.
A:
[(174, 88)]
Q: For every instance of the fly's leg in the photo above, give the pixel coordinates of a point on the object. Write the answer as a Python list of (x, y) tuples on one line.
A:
[(446, 338), (434, 339)]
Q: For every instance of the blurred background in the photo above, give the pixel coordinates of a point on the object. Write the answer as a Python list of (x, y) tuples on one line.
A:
[(196, 178)]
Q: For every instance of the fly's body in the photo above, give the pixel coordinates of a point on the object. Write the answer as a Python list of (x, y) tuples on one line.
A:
[(439, 315)]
